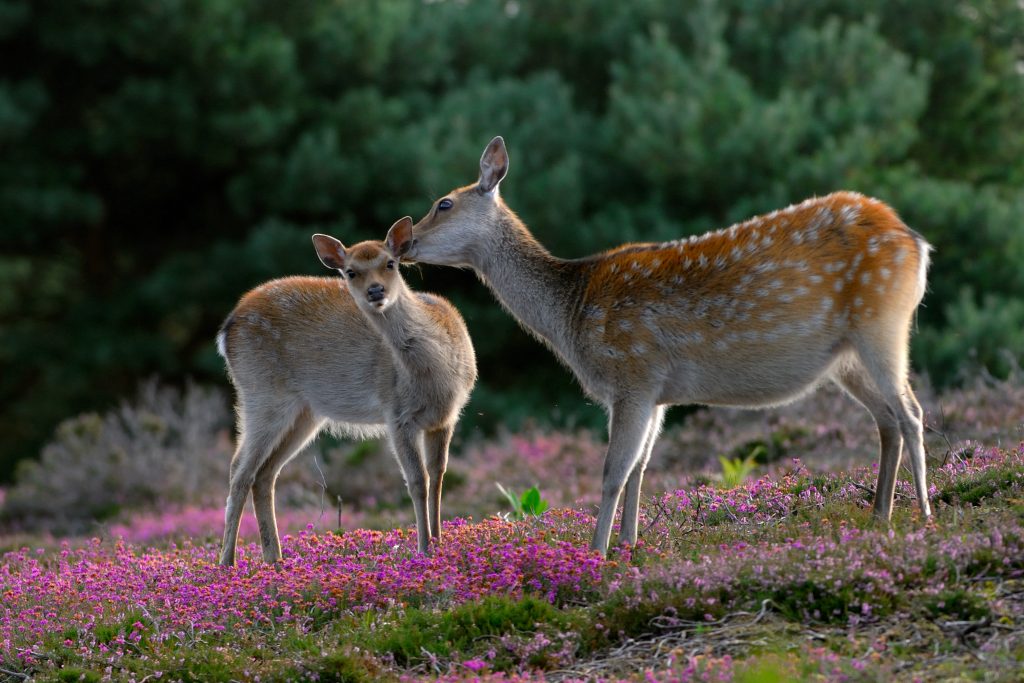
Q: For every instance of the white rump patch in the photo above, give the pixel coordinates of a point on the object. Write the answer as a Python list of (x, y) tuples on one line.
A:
[(222, 346)]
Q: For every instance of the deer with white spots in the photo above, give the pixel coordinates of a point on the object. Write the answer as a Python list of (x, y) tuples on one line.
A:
[(754, 315), (363, 355)]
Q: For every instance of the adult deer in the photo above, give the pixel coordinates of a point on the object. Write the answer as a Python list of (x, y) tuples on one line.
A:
[(365, 355), (754, 315)]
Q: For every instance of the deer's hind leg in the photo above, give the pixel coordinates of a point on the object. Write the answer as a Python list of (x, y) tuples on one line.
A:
[(260, 432), (877, 377), (302, 430)]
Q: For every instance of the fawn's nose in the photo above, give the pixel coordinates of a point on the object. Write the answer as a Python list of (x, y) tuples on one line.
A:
[(375, 292)]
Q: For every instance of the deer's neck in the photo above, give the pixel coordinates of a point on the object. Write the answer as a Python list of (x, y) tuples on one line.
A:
[(540, 290), (407, 330)]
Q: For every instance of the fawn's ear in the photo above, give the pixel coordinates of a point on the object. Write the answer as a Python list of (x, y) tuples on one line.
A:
[(330, 251), (493, 165), (399, 237)]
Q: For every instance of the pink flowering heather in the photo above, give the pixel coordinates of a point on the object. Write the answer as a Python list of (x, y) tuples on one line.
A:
[(206, 522), (181, 592), (772, 544)]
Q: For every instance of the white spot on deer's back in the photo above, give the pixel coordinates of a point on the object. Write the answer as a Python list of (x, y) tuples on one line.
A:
[(798, 265), (901, 255), (865, 277), (884, 272), (849, 214)]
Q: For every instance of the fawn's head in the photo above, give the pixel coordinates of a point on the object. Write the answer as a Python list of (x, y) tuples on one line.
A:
[(370, 268), (457, 225)]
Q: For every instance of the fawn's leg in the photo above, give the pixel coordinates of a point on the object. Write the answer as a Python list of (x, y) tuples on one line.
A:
[(259, 433), (407, 443), (436, 451), (302, 430)]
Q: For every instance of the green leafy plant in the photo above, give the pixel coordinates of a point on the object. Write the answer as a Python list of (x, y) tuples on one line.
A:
[(528, 503), (735, 471)]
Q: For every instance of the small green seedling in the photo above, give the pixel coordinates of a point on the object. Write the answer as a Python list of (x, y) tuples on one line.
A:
[(529, 503)]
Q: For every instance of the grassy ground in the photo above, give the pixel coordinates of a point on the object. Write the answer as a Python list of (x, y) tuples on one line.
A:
[(783, 577)]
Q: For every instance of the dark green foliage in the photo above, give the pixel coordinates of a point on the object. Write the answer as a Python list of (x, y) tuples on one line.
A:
[(972, 489), (73, 674), (957, 604), (780, 443), (464, 628), (337, 667), (157, 159)]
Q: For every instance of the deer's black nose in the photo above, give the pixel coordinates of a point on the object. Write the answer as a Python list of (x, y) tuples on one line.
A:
[(375, 292)]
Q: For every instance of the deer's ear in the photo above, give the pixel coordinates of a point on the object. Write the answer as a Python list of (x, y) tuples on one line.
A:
[(330, 251), (493, 165), (399, 238)]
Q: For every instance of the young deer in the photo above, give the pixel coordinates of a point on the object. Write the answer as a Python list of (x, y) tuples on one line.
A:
[(365, 355), (754, 315)]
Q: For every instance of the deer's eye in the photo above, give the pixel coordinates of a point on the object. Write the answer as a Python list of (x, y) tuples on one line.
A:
[(444, 204), (351, 274), (391, 265)]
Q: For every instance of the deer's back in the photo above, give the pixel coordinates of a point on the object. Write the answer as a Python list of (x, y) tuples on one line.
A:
[(760, 308)]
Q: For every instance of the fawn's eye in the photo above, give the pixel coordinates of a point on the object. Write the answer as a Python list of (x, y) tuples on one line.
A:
[(351, 274), (391, 265), (444, 204)]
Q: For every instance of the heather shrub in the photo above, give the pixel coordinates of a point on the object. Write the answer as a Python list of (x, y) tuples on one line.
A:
[(497, 629), (168, 447)]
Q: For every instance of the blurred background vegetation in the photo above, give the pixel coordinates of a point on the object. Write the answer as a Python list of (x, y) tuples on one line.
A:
[(160, 157)]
